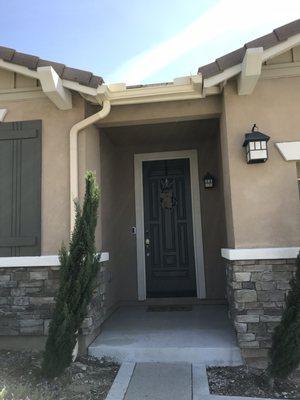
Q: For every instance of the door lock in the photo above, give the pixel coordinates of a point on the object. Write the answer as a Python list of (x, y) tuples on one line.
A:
[(147, 242)]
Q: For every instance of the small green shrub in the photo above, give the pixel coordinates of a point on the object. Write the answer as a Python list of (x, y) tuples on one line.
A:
[(78, 271), (285, 351)]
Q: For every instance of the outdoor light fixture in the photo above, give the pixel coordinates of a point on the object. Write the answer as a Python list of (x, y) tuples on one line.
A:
[(209, 181), (256, 146)]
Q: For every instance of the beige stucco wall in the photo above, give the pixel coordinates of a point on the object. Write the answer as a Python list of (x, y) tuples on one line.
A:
[(89, 160), (264, 197), (118, 146), (226, 178), (137, 114), (56, 125), (109, 216)]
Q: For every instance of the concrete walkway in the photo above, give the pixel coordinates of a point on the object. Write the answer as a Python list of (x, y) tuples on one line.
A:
[(164, 381), (159, 381)]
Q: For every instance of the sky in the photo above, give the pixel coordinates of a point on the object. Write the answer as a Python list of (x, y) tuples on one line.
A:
[(138, 41)]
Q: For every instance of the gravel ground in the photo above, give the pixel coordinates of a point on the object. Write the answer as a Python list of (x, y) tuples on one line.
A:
[(243, 381), (20, 379)]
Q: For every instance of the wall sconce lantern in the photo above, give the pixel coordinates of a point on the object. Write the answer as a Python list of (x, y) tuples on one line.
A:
[(209, 181), (256, 146)]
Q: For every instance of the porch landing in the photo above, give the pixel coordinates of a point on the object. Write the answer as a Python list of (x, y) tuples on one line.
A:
[(203, 335)]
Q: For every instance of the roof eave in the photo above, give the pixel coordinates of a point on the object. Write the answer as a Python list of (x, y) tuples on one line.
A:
[(268, 53), (182, 88)]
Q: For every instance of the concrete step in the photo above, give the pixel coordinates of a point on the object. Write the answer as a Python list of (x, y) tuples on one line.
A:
[(203, 335), (207, 356)]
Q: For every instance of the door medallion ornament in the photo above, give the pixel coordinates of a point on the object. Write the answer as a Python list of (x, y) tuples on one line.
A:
[(167, 198)]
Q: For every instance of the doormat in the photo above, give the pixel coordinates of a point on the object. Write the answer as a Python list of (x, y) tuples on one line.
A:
[(169, 308)]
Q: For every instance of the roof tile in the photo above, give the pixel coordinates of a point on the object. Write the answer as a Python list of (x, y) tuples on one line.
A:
[(25, 60), (77, 75), (209, 69), (285, 31), (59, 68), (265, 41), (96, 81), (230, 59), (6, 54)]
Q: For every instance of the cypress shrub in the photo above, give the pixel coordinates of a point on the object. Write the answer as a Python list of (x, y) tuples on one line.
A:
[(77, 273), (285, 350)]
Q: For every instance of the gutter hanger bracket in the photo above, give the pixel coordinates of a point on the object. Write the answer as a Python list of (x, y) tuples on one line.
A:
[(251, 70), (3, 112), (102, 94), (197, 82), (53, 88)]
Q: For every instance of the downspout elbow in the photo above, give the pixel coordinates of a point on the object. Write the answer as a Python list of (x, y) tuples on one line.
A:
[(79, 126)]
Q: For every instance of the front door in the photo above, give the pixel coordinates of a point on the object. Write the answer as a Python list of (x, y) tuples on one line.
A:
[(169, 249)]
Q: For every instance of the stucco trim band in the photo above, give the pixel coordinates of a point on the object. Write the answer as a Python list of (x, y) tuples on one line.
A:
[(269, 253), (38, 261), (290, 151)]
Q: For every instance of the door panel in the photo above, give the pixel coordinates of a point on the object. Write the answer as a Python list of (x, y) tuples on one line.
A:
[(169, 249)]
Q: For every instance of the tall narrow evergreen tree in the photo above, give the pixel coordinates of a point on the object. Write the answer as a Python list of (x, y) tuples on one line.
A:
[(77, 273), (285, 351)]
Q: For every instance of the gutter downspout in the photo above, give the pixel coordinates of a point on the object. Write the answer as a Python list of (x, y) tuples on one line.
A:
[(79, 126)]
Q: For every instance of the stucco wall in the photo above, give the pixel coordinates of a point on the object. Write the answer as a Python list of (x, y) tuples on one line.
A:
[(264, 197), (56, 125), (89, 160), (226, 179), (118, 146), (109, 218), (137, 114)]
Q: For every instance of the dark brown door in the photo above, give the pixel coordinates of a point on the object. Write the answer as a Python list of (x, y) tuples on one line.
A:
[(169, 249)]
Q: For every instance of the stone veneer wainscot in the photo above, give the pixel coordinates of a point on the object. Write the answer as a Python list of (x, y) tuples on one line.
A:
[(256, 291), (27, 300)]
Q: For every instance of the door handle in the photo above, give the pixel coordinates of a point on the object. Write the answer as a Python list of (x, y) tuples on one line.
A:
[(147, 242)]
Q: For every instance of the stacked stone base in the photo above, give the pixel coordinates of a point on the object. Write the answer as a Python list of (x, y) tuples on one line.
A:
[(256, 291), (27, 298)]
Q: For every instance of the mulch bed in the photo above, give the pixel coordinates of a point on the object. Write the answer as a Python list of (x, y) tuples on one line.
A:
[(250, 382), (20, 378)]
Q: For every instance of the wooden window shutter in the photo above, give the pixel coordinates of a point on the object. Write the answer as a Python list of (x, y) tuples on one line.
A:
[(20, 188)]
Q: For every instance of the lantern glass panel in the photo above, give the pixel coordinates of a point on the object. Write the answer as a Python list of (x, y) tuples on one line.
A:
[(251, 145), (257, 145), (263, 145), (258, 154)]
